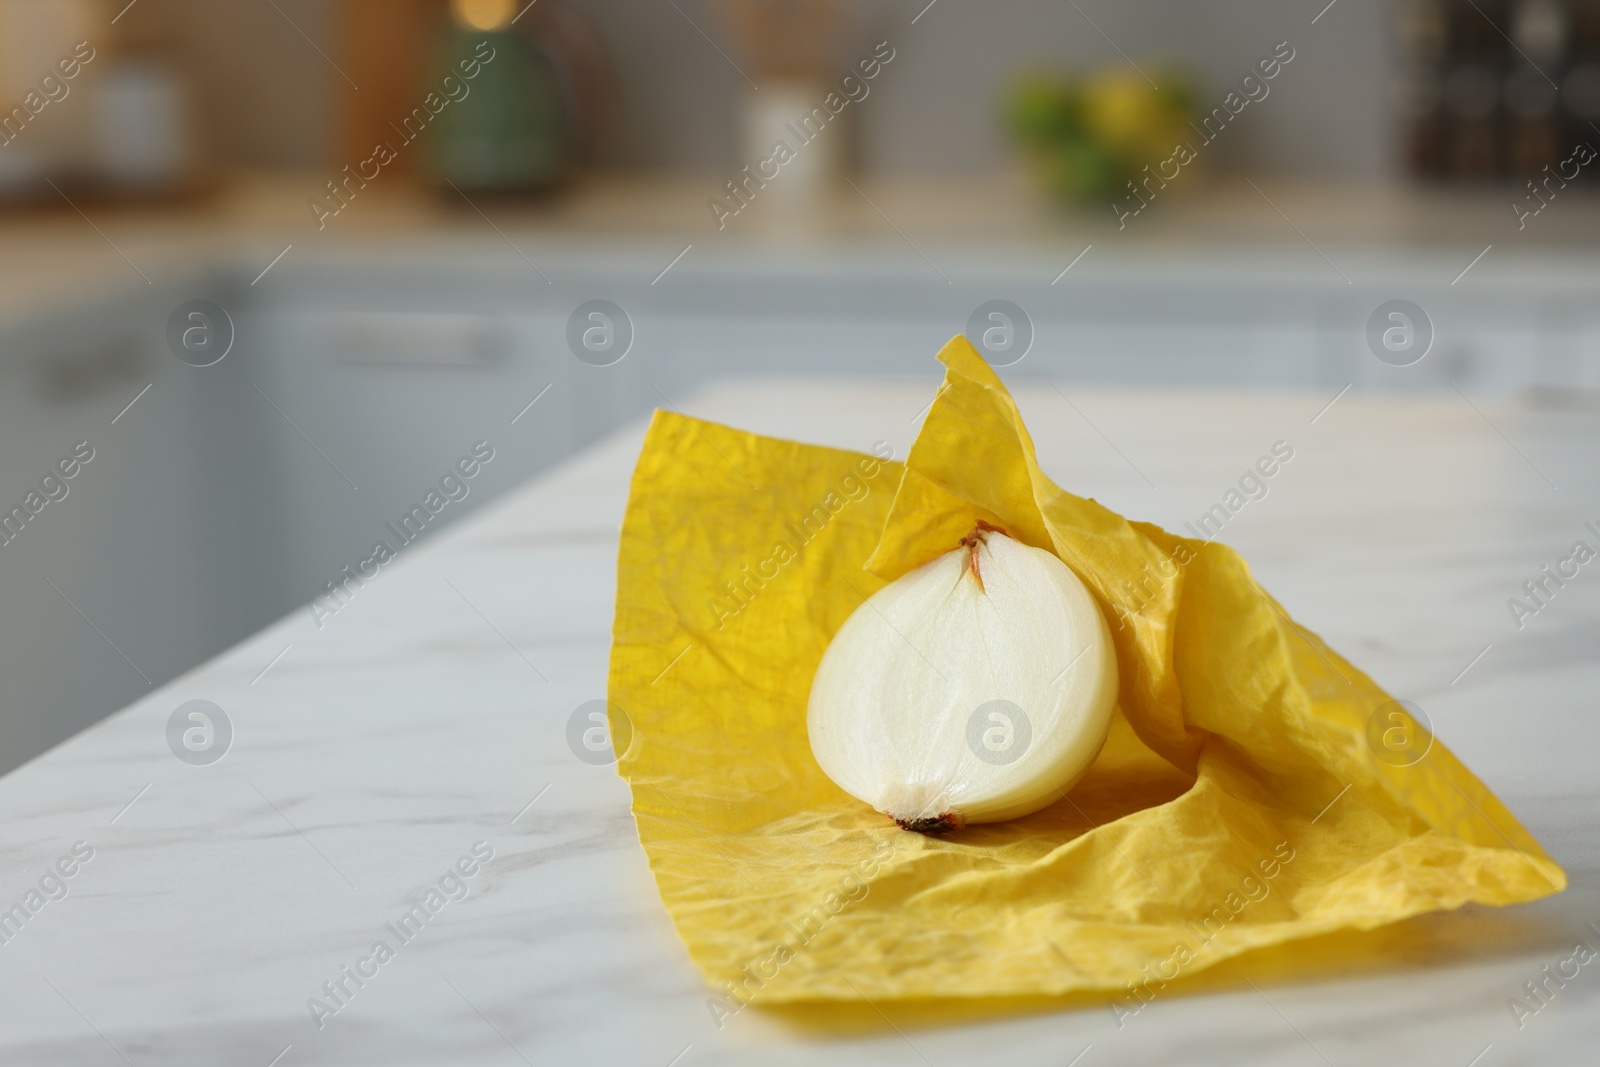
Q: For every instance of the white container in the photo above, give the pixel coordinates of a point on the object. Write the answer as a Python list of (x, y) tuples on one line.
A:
[(795, 115), (143, 137)]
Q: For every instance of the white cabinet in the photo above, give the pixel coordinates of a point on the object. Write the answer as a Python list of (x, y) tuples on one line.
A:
[(229, 495)]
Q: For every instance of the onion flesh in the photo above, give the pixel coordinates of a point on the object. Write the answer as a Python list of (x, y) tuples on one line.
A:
[(978, 687)]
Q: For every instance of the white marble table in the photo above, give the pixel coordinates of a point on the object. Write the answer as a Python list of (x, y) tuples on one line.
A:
[(430, 715)]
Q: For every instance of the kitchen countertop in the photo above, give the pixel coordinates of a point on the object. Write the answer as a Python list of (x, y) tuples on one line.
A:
[(984, 229), (429, 717)]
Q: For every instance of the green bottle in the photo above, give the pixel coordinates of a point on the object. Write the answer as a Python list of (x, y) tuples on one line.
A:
[(505, 128)]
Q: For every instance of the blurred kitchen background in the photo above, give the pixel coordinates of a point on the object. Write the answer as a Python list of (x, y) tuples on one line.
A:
[(280, 263)]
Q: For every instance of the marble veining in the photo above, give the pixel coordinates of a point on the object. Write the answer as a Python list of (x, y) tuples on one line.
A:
[(429, 717)]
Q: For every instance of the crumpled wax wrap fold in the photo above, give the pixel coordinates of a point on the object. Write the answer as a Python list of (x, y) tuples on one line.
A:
[(1238, 803)]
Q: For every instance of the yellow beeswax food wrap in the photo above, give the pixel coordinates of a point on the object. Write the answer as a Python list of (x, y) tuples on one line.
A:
[(1238, 803)]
